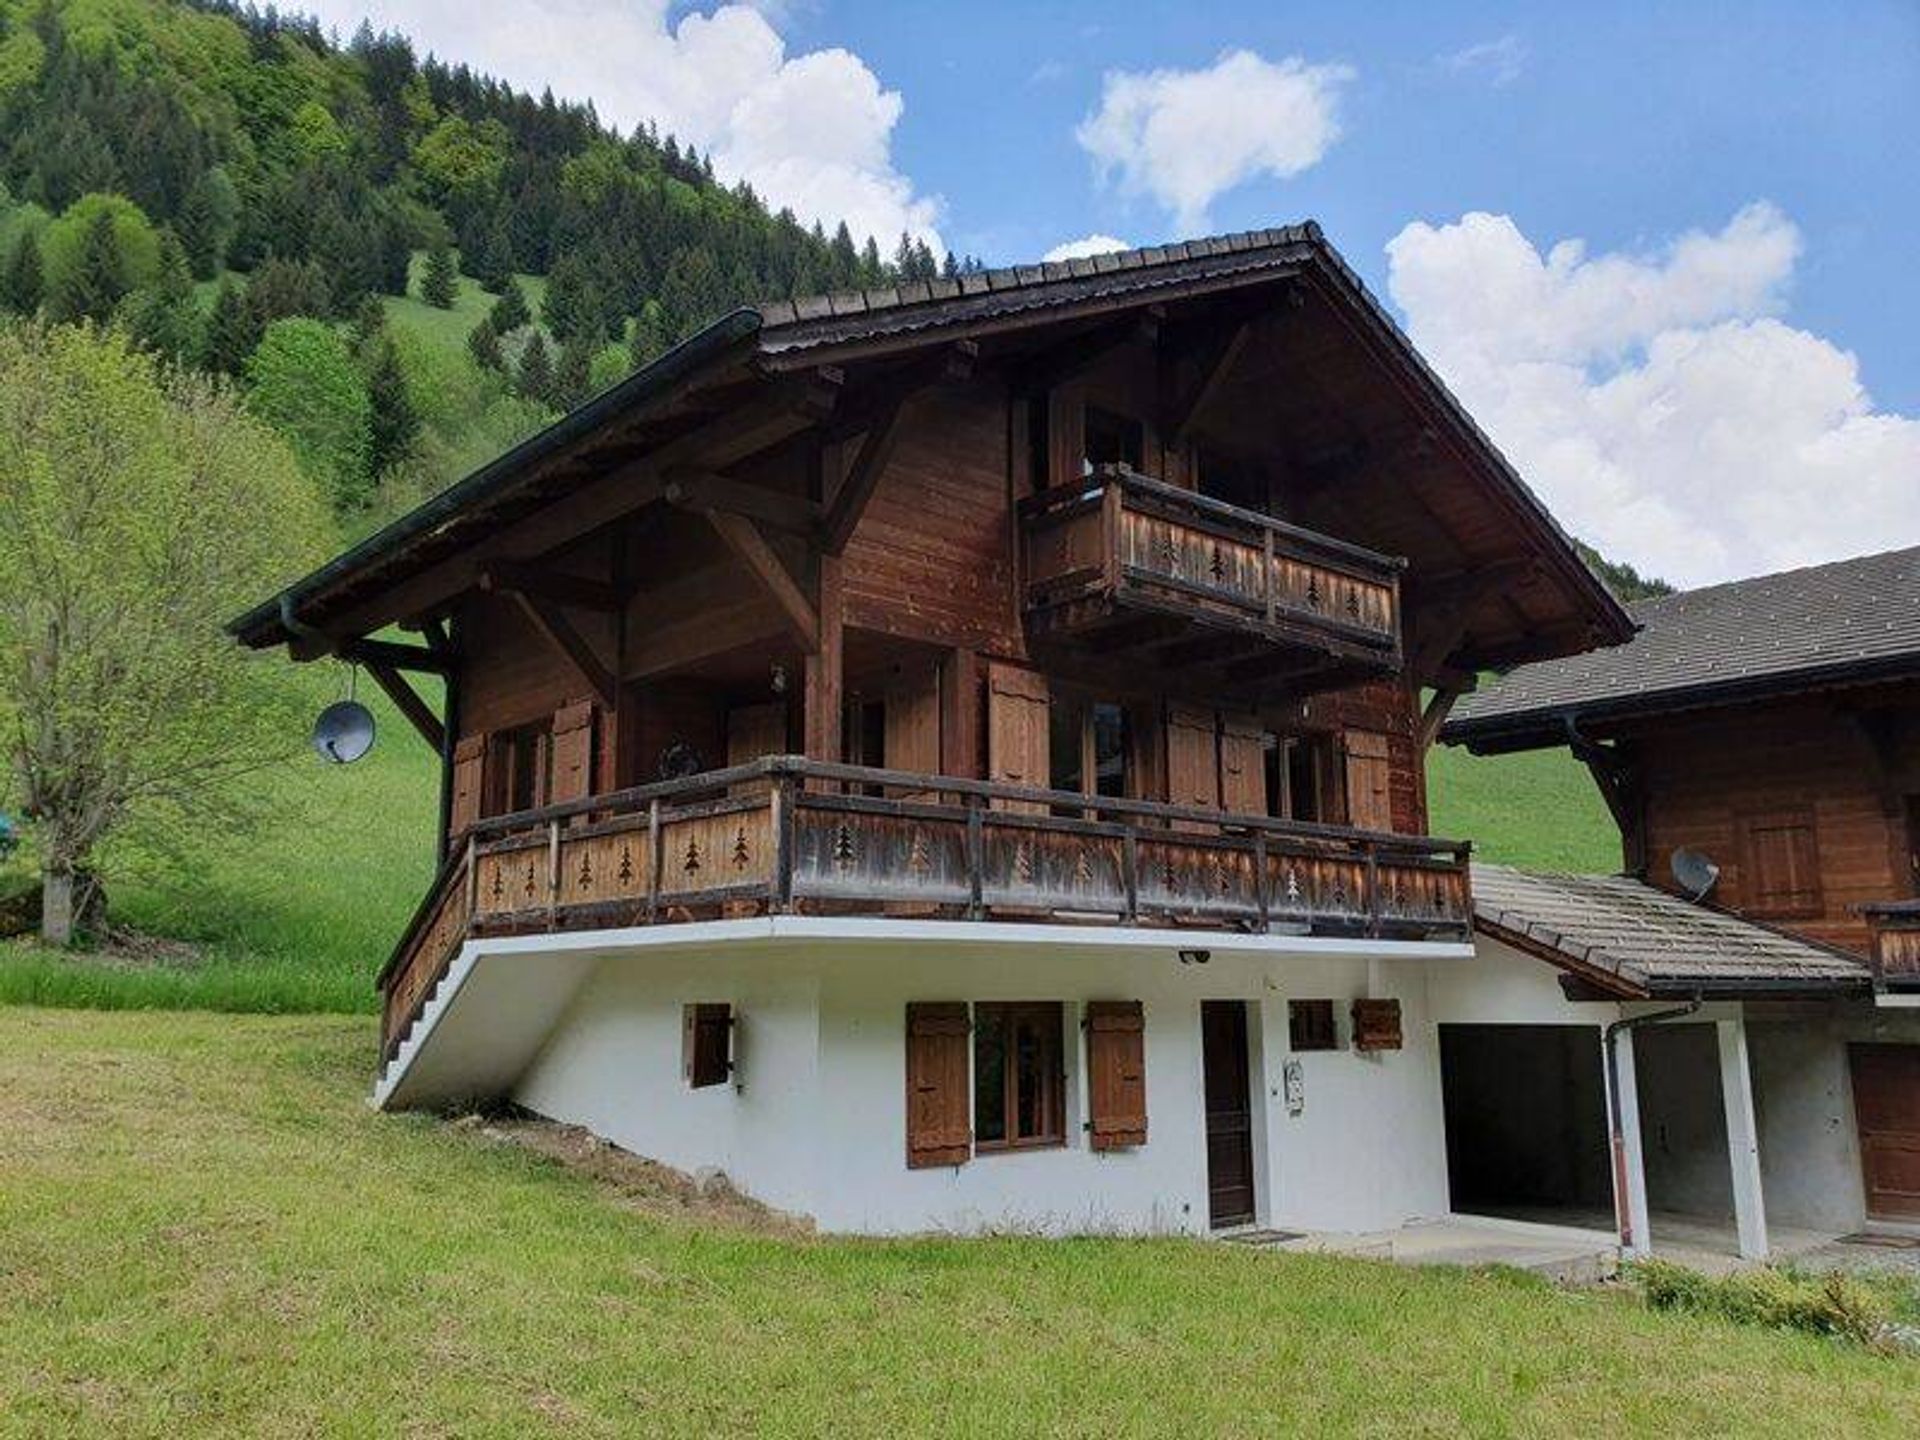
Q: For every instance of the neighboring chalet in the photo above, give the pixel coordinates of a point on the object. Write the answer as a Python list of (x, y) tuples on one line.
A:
[(953, 756), (1758, 744)]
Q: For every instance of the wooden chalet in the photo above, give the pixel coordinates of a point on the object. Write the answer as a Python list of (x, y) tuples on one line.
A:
[(1117, 597)]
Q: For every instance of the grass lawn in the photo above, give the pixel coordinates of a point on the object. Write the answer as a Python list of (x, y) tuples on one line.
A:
[(1540, 809), (203, 1229), (449, 329)]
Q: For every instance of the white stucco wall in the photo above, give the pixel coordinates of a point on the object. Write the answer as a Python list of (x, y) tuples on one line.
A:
[(816, 1122)]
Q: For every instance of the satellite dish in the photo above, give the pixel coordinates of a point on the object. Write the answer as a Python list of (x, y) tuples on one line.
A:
[(1694, 872), (343, 732)]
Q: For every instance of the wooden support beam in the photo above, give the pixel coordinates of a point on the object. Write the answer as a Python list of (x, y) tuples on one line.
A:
[(1438, 706), (1071, 358), (960, 711), (392, 655), (408, 702), (550, 622), (743, 537), (863, 478), (506, 577), (824, 679), (704, 490), (1219, 358)]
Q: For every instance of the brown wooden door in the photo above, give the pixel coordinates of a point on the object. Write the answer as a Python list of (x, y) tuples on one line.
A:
[(1223, 1052), (1193, 761), (1886, 1106), (1243, 765), (1017, 733)]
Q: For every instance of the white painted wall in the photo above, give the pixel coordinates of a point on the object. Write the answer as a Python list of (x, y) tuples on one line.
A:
[(817, 1121)]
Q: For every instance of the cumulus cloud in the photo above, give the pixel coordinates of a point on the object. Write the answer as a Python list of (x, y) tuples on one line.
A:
[(1657, 401), (1085, 246), (1185, 137), (812, 131)]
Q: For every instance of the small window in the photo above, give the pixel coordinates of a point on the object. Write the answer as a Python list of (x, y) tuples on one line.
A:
[(1018, 1081), (1780, 854), (1310, 1025), (1088, 748), (706, 1044), (1300, 779), (1110, 748), (522, 769), (1110, 439)]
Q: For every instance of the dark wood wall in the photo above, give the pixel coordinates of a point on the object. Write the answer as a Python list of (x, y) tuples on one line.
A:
[(1802, 802)]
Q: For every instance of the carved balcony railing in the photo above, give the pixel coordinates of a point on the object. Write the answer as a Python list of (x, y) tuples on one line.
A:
[(1894, 944), (789, 835), (1102, 559)]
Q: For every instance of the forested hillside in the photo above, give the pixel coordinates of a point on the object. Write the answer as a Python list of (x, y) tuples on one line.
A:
[(248, 198)]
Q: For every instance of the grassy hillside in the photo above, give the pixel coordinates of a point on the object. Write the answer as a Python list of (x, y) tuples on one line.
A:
[(1539, 809), (351, 1273)]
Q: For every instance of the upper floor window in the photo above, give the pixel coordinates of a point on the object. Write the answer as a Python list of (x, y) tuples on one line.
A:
[(1088, 745), (1111, 439), (520, 769)]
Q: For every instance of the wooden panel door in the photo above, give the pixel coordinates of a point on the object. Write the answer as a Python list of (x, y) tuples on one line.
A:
[(1886, 1107), (1223, 1052), (1243, 766), (1017, 717), (1369, 780)]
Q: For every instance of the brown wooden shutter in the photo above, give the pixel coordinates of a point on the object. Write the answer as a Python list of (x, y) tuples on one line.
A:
[(469, 783), (1376, 1025), (572, 753), (706, 1044), (939, 1128), (1243, 767), (1780, 863), (912, 737), (1017, 712), (1116, 1073), (756, 730), (1369, 780), (1193, 765)]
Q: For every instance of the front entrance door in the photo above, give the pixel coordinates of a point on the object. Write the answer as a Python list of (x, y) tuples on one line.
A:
[(1886, 1106), (1223, 1058)]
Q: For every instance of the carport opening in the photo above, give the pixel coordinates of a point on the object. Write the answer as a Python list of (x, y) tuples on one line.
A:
[(1526, 1119)]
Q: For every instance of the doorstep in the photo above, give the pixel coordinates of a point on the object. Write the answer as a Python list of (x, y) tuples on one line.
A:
[(1562, 1254)]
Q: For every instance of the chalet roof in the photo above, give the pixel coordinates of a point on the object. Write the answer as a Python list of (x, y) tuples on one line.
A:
[(795, 335), (1616, 930), (1847, 621)]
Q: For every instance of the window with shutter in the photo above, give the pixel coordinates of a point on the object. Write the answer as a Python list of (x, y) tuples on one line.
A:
[(1019, 1076), (939, 1130), (1243, 765), (1376, 1025), (1017, 731), (1369, 780), (1116, 1074), (1780, 864), (572, 745), (706, 1044), (469, 783), (1310, 1025), (1193, 763)]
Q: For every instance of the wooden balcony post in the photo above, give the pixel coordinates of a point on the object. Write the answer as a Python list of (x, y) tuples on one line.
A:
[(1373, 888), (553, 871), (1266, 573), (654, 860), (1260, 876), (472, 886), (1110, 530), (780, 896), (1130, 868), (976, 859)]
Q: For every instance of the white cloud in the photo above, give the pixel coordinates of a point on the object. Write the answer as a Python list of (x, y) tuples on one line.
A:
[(1656, 401), (812, 131), (1185, 137), (1086, 246), (1502, 61)]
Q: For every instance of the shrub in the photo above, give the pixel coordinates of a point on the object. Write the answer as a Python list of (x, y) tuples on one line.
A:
[(1834, 1304)]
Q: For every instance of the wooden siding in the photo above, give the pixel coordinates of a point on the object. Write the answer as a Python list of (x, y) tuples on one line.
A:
[(1738, 784)]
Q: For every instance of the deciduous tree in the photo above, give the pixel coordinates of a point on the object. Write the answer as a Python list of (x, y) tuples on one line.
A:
[(302, 381)]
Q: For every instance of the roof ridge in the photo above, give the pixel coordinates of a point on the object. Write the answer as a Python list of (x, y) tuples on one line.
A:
[(1655, 602)]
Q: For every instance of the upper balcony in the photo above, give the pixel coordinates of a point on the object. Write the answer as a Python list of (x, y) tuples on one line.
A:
[(789, 835), (1132, 565)]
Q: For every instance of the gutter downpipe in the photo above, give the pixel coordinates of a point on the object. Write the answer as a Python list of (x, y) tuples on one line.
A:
[(1622, 1208)]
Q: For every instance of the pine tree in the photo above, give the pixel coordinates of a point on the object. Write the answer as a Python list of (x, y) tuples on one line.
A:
[(573, 378), (536, 371), (650, 338), (510, 311), (396, 424), (483, 344), (20, 282), (232, 331), (439, 285), (97, 282), (369, 323), (205, 222), (162, 317), (491, 260)]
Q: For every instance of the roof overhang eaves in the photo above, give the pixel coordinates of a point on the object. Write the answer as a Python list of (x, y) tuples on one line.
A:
[(265, 624), (1544, 727)]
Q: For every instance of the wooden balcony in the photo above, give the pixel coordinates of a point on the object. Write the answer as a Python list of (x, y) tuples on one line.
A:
[(1128, 564), (1894, 944), (788, 835)]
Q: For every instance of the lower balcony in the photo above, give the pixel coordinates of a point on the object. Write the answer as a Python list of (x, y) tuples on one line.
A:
[(789, 835)]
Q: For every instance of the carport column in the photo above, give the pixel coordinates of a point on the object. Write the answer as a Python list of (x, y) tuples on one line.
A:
[(1629, 1170), (1743, 1139)]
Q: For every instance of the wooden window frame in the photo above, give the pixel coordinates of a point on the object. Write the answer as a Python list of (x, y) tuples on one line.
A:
[(1090, 408), (1082, 702), (508, 749), (1312, 1026), (706, 1044), (1052, 1017)]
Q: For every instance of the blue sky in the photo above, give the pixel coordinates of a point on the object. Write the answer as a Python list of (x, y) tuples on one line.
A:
[(1663, 252)]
